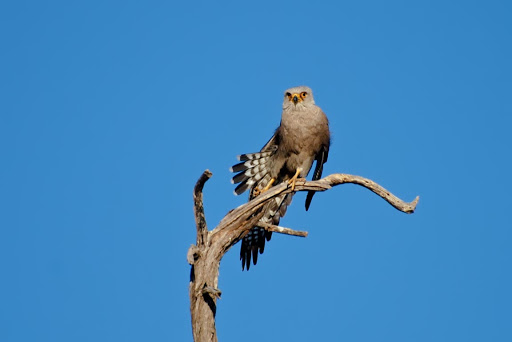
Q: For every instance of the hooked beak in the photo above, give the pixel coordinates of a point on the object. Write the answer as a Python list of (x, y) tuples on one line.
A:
[(295, 98)]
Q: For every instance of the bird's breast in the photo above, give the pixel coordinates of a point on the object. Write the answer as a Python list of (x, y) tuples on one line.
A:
[(302, 136), (303, 130)]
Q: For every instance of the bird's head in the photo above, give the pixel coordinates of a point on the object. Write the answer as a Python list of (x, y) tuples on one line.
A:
[(298, 98)]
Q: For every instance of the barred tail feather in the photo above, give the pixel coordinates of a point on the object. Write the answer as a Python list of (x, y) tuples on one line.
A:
[(253, 173), (254, 241)]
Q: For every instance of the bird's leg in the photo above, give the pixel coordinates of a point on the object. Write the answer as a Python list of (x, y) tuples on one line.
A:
[(258, 192), (268, 186), (294, 178)]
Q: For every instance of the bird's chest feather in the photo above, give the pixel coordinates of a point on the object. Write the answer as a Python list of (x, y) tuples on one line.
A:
[(301, 133), (299, 143)]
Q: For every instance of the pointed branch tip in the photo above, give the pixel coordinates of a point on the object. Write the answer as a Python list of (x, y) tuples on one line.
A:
[(283, 230)]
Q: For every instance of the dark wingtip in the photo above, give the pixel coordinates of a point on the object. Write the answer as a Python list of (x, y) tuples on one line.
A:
[(238, 167), (241, 188), (243, 157), (239, 178), (309, 198)]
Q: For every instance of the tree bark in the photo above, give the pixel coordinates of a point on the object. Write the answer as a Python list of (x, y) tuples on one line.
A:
[(205, 256)]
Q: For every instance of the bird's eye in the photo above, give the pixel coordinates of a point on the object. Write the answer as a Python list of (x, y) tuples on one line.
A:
[(288, 94), (303, 95)]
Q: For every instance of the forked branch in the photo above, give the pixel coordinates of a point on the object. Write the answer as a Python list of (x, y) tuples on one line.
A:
[(211, 245)]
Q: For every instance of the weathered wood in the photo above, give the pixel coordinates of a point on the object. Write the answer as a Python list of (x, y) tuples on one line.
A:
[(202, 229), (205, 256), (282, 230)]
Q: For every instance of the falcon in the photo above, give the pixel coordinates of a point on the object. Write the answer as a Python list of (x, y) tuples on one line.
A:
[(302, 138)]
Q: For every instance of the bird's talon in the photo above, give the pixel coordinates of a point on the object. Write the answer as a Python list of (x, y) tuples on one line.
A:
[(268, 186), (294, 178), (257, 191)]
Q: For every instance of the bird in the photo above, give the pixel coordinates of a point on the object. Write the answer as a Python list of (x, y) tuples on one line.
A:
[(302, 137)]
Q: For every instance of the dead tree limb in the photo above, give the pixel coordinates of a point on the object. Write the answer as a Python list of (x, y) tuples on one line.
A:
[(211, 245)]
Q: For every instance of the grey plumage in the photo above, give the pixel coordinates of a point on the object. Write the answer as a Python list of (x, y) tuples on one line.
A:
[(302, 137)]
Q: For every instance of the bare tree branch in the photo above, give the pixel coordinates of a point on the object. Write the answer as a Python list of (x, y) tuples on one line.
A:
[(202, 229), (341, 178), (211, 246), (282, 230)]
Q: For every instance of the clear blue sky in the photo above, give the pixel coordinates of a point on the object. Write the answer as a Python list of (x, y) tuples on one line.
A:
[(110, 111)]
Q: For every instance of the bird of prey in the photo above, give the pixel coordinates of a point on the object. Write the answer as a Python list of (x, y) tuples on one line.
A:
[(301, 138)]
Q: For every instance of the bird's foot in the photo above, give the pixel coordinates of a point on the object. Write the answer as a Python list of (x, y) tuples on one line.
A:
[(268, 186), (258, 192), (292, 180)]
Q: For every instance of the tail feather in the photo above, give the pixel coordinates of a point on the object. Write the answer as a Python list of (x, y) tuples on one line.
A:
[(254, 241), (253, 173)]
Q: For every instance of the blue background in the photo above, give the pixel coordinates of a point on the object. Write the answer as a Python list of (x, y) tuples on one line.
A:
[(110, 111)]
